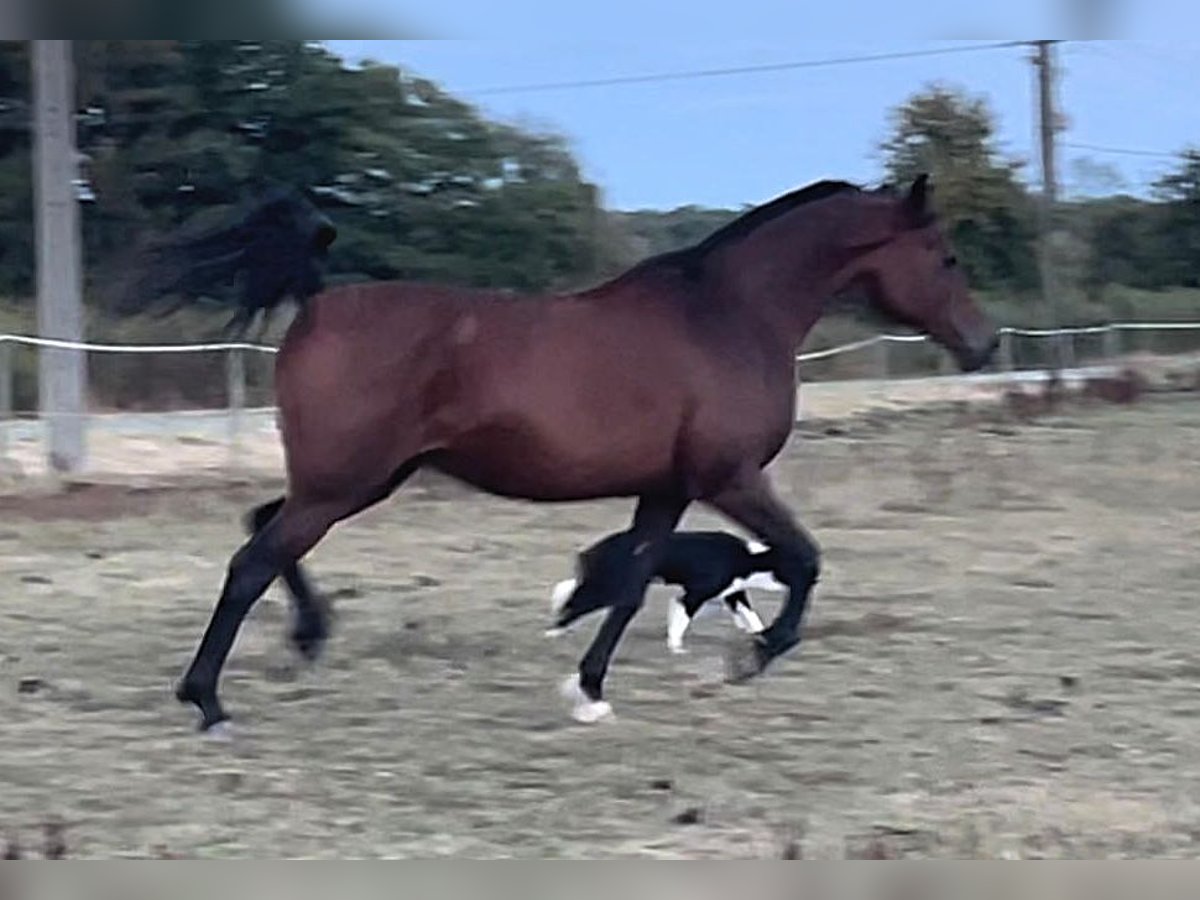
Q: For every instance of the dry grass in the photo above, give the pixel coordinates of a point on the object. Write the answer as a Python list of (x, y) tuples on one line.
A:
[(999, 663)]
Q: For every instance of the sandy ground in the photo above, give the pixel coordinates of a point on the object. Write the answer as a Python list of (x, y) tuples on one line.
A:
[(1000, 661)]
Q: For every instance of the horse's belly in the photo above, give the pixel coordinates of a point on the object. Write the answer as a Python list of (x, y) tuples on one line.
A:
[(522, 462)]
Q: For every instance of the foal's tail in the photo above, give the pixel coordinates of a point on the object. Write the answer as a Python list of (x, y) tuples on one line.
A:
[(271, 249)]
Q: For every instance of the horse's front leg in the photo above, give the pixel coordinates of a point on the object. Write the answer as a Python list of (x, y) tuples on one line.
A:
[(750, 501)]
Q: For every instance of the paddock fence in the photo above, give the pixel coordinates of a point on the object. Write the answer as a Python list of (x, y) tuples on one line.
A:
[(218, 395)]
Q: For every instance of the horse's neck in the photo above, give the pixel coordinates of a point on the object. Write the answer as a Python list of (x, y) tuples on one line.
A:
[(786, 277), (784, 289)]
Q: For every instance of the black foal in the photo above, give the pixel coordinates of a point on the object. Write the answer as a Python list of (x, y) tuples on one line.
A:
[(707, 565)]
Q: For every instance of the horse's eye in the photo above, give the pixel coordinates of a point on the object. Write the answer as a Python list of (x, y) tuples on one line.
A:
[(951, 261)]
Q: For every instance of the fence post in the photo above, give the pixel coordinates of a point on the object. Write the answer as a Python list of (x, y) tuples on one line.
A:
[(1006, 351), (1112, 342), (6, 396), (1068, 349), (235, 380)]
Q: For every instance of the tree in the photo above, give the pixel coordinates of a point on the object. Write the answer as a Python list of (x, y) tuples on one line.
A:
[(1179, 230), (420, 184), (653, 231), (952, 136), (16, 180)]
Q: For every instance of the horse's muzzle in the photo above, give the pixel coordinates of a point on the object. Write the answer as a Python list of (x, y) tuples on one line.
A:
[(973, 357)]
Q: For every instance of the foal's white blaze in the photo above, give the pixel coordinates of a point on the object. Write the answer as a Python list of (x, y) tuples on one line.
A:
[(583, 708), (677, 623)]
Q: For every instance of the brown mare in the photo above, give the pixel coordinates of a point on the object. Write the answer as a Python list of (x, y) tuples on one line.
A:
[(672, 383)]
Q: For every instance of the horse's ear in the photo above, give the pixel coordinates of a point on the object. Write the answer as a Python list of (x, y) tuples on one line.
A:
[(917, 207)]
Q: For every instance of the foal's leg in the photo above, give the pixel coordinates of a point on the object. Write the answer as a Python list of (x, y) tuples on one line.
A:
[(752, 503), (685, 608), (679, 617), (744, 616), (310, 628), (645, 541)]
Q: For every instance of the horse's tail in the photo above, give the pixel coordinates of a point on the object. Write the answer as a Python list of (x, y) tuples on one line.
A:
[(272, 249)]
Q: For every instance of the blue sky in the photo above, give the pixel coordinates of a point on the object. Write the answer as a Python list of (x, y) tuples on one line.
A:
[(743, 139)]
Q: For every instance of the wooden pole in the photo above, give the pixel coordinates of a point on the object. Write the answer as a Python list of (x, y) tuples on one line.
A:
[(62, 373), (1048, 128), (235, 374), (6, 398)]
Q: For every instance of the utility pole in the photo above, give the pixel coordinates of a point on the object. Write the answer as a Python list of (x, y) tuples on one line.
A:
[(1048, 125), (62, 373)]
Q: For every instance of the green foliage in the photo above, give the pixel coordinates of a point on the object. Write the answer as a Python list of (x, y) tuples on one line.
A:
[(652, 232), (952, 136), (16, 195), (1179, 226), (424, 187), (421, 185)]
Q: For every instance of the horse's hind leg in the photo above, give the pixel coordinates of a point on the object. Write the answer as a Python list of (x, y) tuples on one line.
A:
[(751, 503), (291, 533), (642, 550), (310, 625), (294, 529)]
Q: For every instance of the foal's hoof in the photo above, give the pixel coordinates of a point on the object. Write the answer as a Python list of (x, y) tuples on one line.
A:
[(749, 657), (583, 708)]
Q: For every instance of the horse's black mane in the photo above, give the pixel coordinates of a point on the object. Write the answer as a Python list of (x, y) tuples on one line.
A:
[(760, 215), (689, 257)]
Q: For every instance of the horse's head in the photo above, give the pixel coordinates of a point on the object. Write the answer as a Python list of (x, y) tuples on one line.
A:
[(914, 277)]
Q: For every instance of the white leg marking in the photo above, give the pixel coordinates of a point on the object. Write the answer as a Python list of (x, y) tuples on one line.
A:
[(561, 594), (765, 581), (221, 733), (677, 624), (747, 620), (583, 708)]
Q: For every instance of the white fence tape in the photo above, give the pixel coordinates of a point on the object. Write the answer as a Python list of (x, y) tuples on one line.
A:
[(30, 341)]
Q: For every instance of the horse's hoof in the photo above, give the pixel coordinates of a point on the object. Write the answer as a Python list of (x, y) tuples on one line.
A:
[(583, 708), (749, 657), (677, 649), (592, 712), (746, 659), (309, 650), (309, 641)]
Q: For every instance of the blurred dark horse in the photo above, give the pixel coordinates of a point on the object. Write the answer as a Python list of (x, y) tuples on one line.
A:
[(672, 383)]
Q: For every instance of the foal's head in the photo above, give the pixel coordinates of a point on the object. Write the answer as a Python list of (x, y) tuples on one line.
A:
[(911, 275)]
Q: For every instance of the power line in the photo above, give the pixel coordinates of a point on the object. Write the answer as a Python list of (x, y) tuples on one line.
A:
[(741, 70), (1122, 151)]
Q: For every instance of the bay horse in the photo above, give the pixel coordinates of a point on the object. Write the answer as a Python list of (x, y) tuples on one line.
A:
[(672, 383)]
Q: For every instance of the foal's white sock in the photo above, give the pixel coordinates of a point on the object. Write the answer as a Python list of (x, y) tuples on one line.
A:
[(677, 623)]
